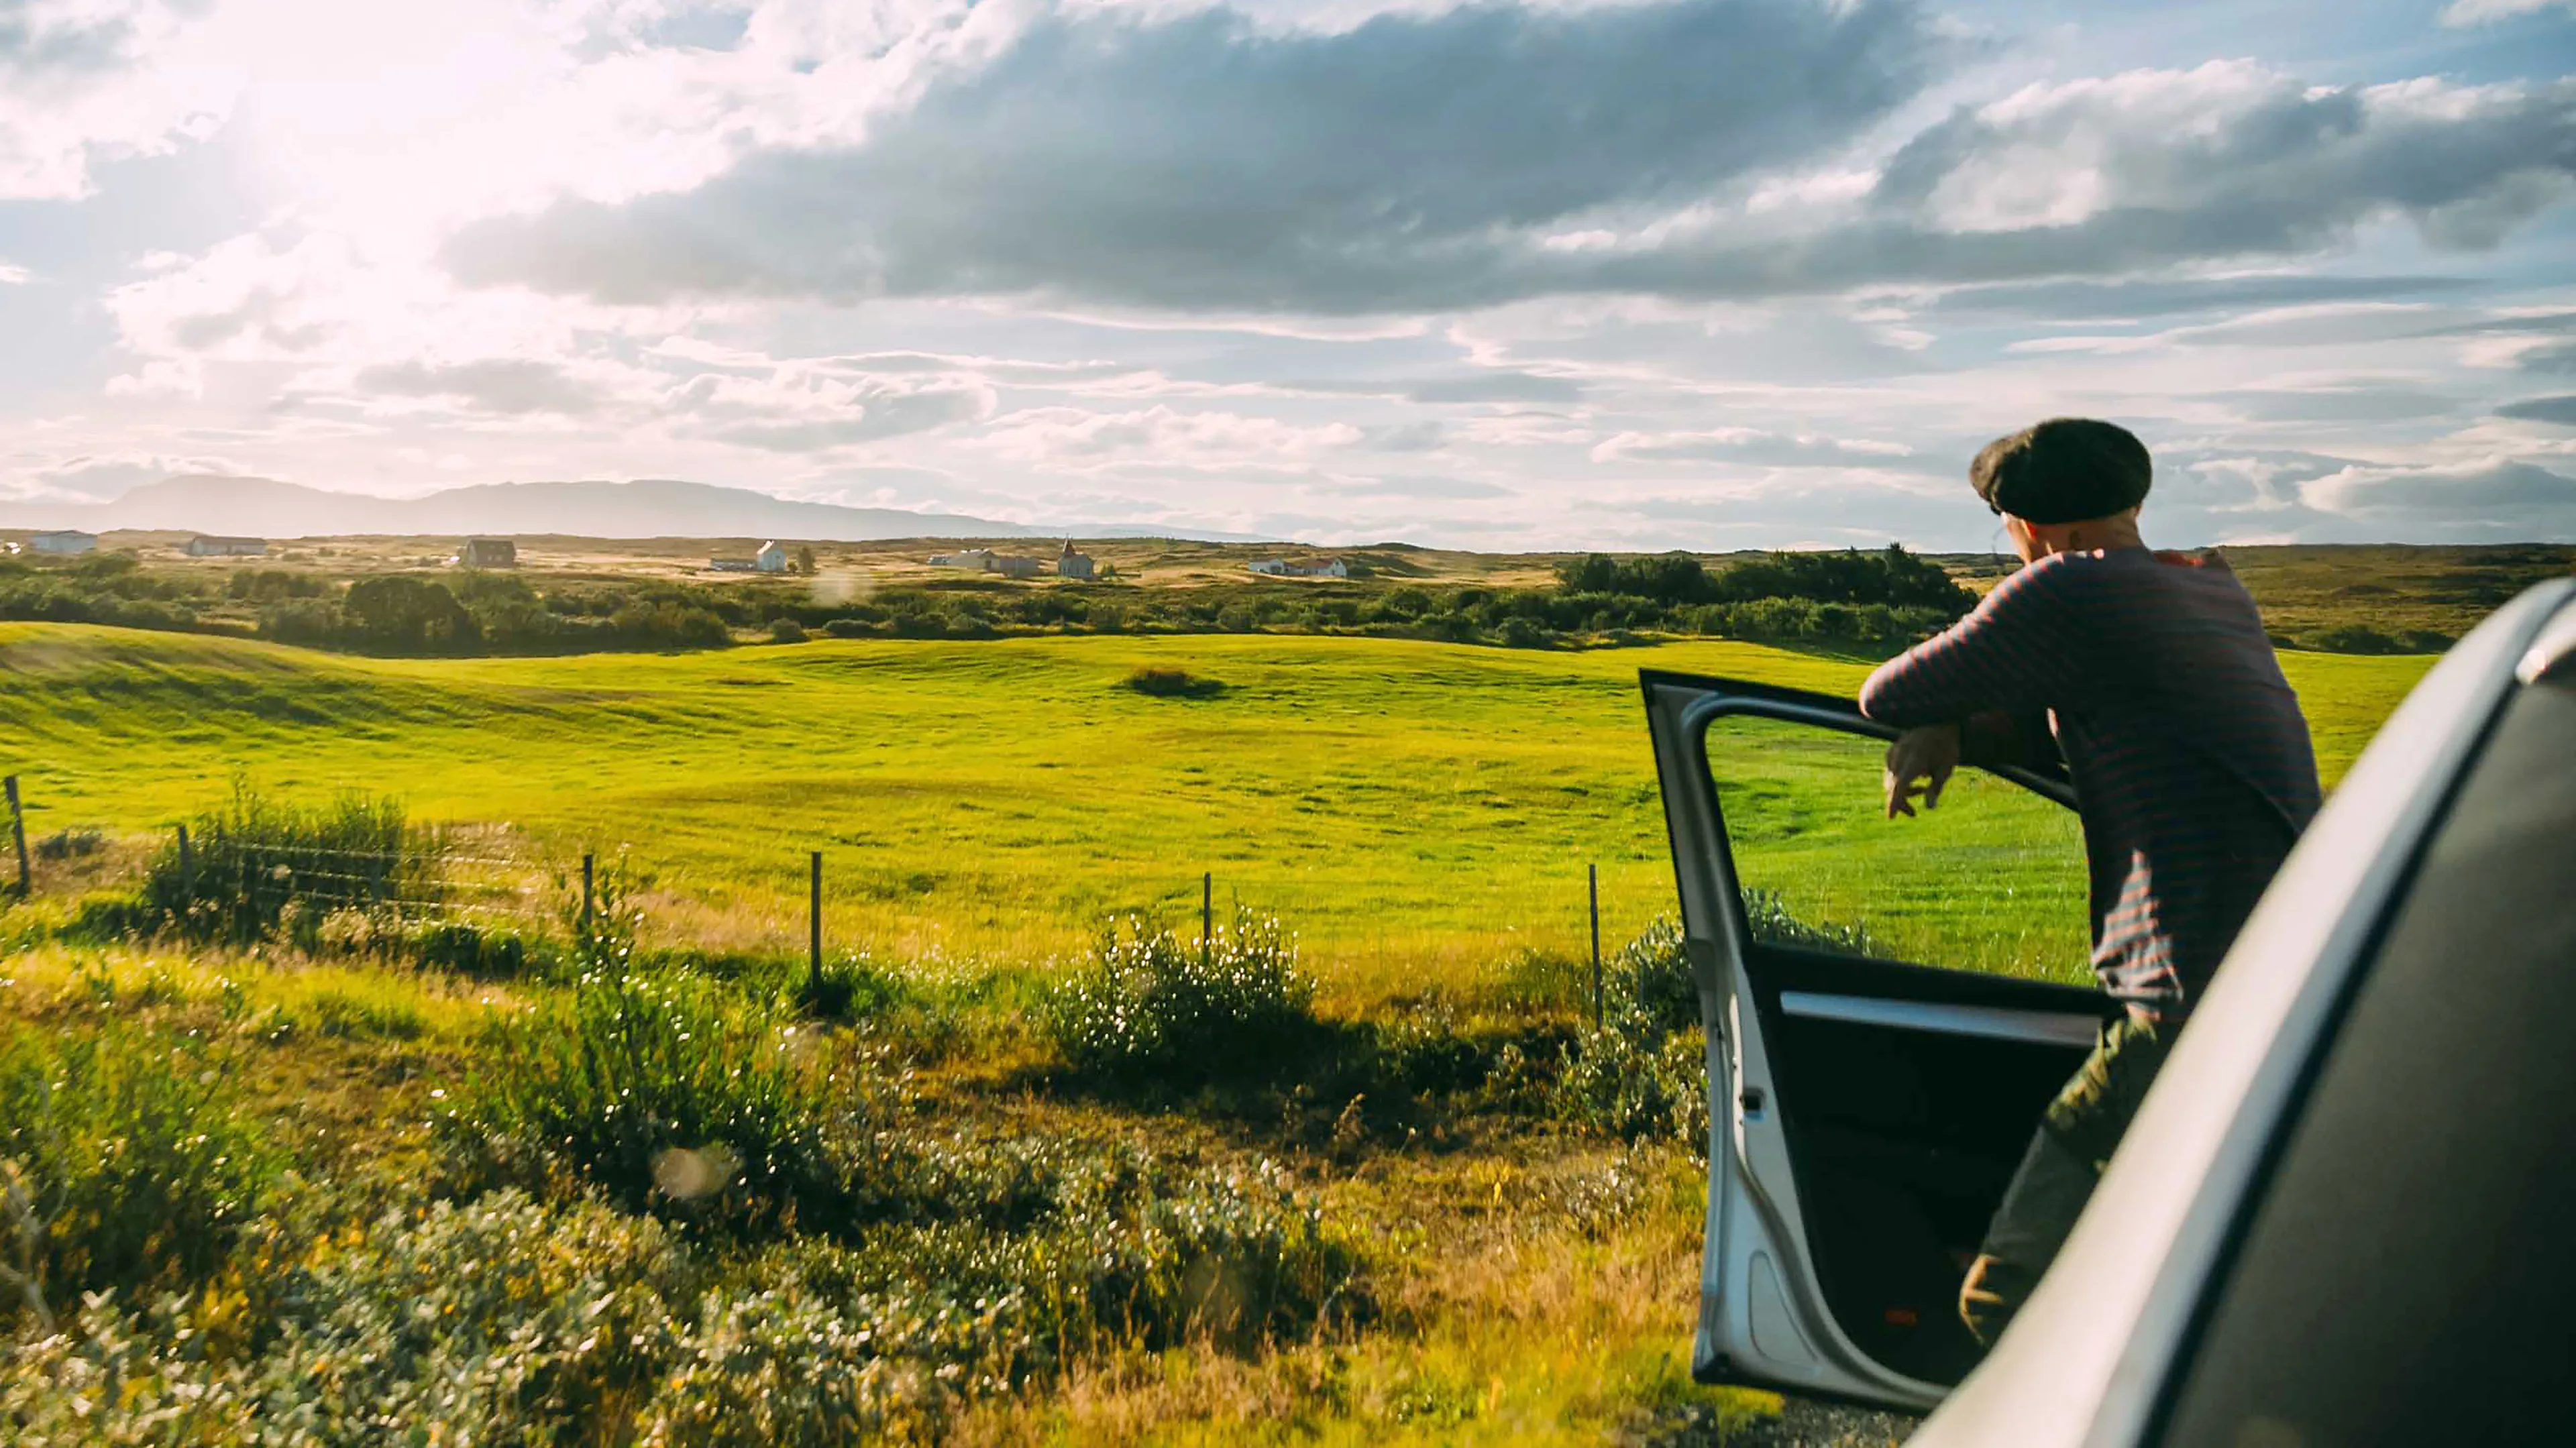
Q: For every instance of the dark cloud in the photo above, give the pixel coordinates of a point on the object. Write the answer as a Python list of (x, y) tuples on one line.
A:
[(2560, 410), (2498, 501), (2070, 299), (1404, 437), (2555, 357), (33, 44), (503, 384), (1497, 387), (2345, 404), (1197, 161), (256, 314), (1493, 152), (793, 419)]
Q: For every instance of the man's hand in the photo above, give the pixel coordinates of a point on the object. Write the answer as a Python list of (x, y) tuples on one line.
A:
[(1920, 762)]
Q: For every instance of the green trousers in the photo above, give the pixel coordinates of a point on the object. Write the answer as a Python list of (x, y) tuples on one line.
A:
[(2076, 1137)]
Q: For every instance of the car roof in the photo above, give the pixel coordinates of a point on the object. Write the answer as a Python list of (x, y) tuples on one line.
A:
[(2085, 1360)]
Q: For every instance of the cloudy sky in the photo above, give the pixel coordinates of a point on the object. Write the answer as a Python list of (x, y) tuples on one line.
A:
[(1628, 273)]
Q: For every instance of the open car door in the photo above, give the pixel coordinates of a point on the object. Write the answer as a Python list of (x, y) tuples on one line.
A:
[(1889, 1006)]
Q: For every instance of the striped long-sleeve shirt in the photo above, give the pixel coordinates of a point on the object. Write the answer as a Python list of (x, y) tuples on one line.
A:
[(2190, 759)]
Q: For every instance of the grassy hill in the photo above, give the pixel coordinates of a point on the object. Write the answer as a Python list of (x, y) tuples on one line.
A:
[(560, 1200), (1404, 804)]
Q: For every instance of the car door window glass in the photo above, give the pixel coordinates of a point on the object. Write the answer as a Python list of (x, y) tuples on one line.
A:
[(1991, 880)]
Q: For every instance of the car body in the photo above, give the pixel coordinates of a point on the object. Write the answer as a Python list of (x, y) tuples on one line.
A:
[(2341, 1215)]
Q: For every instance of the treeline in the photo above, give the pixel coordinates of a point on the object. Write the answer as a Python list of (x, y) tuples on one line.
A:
[(109, 588), (1863, 600), (1870, 601)]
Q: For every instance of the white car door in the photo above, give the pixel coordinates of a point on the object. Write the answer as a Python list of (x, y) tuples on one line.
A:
[(1889, 1005)]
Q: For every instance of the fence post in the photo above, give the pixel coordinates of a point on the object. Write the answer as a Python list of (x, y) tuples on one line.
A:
[(585, 903), (1593, 873), (187, 871), (18, 834), (814, 933), (1207, 915)]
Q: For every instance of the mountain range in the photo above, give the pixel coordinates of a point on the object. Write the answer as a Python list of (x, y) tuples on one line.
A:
[(645, 508)]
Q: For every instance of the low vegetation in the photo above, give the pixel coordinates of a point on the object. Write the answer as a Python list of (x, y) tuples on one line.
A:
[(126, 1163)]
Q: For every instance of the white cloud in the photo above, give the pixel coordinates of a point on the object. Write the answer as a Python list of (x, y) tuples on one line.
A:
[(1065, 436), (2487, 500), (88, 80), (2480, 12), (1750, 446)]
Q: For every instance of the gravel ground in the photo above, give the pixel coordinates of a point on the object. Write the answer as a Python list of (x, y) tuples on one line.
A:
[(1801, 1424)]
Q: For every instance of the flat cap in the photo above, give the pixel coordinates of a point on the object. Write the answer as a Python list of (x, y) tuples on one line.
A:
[(2064, 470)]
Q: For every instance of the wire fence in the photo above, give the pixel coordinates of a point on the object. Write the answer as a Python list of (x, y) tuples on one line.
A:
[(1359, 923)]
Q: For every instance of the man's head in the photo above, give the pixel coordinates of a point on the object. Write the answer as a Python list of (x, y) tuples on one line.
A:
[(2064, 484)]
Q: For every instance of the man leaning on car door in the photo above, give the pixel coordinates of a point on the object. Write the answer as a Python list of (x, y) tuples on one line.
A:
[(2150, 675)]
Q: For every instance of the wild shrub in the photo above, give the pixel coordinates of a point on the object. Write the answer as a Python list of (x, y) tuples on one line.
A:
[(665, 1092), (1641, 1072), (1767, 916), (133, 1165), (1635, 1078), (260, 867), (1153, 1008), (1163, 683), (1654, 972), (487, 951), (786, 631), (509, 1319), (1638, 1073)]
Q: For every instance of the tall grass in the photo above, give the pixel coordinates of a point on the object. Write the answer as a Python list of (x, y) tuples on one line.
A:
[(664, 1091), (131, 1165), (260, 867)]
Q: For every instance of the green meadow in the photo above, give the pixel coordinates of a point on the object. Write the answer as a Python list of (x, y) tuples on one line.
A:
[(1406, 806), (1391, 1184)]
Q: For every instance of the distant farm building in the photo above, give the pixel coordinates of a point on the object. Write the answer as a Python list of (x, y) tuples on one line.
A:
[(208, 545), (977, 559), (1070, 564), (735, 564), (488, 553), (772, 558), (68, 540), (1312, 568), (1013, 565)]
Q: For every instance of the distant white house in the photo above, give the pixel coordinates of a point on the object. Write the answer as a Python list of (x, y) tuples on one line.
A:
[(208, 545), (772, 558), (1070, 564), (1282, 568), (488, 553), (68, 540), (977, 559)]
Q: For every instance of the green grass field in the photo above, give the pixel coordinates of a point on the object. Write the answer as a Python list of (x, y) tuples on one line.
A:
[(1523, 1267), (1407, 806)]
